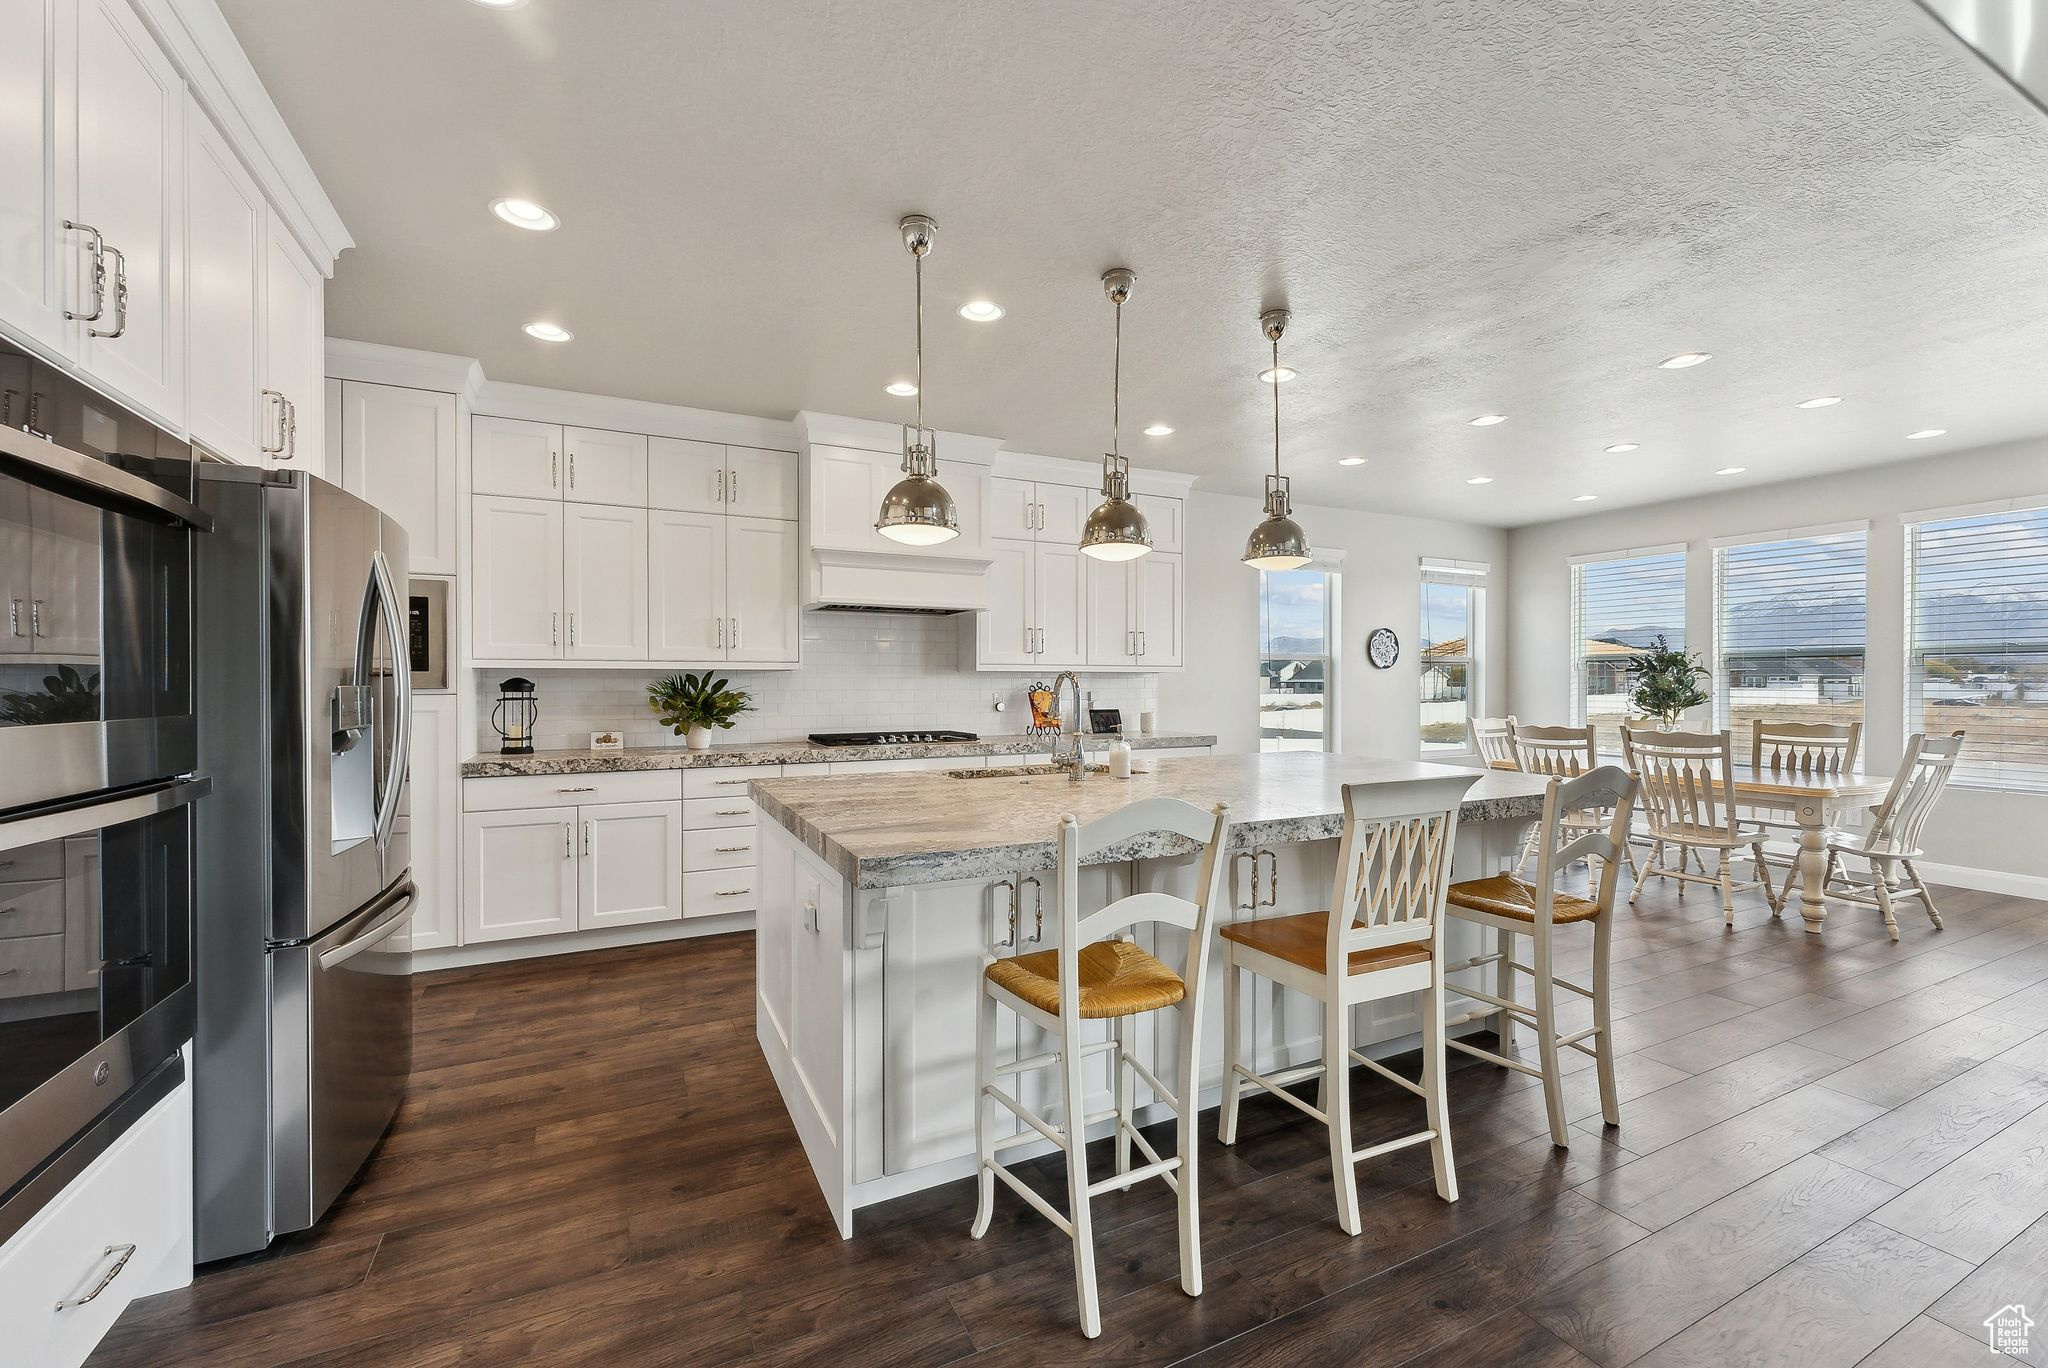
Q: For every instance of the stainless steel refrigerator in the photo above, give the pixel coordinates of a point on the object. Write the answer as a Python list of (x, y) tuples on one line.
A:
[(303, 872)]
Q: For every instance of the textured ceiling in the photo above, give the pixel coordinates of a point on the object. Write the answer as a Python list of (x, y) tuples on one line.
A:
[(1471, 206)]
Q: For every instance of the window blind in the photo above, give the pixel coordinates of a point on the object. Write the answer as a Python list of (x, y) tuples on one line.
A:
[(1620, 605), (1789, 630), (1977, 641)]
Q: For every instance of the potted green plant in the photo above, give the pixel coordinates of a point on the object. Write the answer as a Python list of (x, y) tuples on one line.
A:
[(690, 705), (1664, 682)]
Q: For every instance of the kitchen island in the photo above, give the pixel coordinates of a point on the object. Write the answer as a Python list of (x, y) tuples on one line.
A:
[(881, 897)]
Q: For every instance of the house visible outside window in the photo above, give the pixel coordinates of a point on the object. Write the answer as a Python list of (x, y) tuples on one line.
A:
[(1977, 638), (1789, 629), (1622, 601), (1297, 671), (1449, 642)]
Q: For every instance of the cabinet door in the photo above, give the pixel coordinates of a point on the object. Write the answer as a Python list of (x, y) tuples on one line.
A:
[(518, 873), (1063, 510), (1062, 595), (1007, 634), (846, 494), (293, 349), (1012, 508), (398, 452), (40, 274), (509, 456), (632, 864), (686, 586), (1112, 638), (764, 621), (760, 484), (1156, 582), (604, 586), (605, 467), (516, 579), (689, 476), (17, 568), (228, 219), (64, 552), (434, 825), (1163, 517), (131, 186)]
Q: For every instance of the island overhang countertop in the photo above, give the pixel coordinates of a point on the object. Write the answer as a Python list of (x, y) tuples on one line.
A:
[(884, 830)]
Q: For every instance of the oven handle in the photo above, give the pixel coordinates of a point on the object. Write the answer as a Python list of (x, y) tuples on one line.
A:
[(77, 819), (384, 919), (76, 476)]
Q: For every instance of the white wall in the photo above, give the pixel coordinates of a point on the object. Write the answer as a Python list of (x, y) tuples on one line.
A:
[(1973, 829), (1378, 711)]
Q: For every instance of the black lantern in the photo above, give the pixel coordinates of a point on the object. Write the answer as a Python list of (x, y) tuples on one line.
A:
[(513, 718)]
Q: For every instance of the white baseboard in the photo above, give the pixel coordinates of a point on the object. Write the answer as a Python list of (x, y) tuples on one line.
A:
[(537, 947), (1984, 880)]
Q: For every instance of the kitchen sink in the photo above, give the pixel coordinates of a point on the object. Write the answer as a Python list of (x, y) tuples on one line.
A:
[(1019, 772)]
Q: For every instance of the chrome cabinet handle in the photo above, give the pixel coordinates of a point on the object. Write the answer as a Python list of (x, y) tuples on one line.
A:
[(572, 470), (291, 431), (1011, 942), (583, 788), (278, 450), (1272, 876), (721, 634), (1143, 649), (720, 850), (126, 1252), (732, 486), (586, 838), (120, 295), (35, 619), (731, 783), (735, 632), (554, 629), (554, 470), (99, 272), (572, 631), (720, 496), (732, 892), (1235, 859), (14, 617), (1037, 907), (730, 812), (568, 841)]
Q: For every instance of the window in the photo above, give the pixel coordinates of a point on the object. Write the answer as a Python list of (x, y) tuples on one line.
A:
[(1621, 603), (1789, 629), (1449, 644), (1296, 671), (1977, 640)]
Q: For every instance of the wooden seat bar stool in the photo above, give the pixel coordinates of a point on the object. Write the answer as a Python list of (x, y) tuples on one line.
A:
[(1514, 908), (1098, 972), (1688, 797), (1385, 939)]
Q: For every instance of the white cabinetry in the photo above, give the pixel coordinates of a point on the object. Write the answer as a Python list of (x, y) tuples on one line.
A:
[(519, 873), (686, 585), (847, 486), (508, 456), (516, 579), (293, 359), (605, 467), (764, 624), (631, 864), (432, 819), (1134, 612), (40, 260), (1038, 508), (604, 582), (1038, 607), (227, 220), (398, 452)]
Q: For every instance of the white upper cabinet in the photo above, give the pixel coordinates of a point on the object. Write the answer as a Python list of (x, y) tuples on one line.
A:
[(605, 467), (1163, 517), (604, 584), (397, 450), (1063, 510), (685, 475), (1061, 593), (686, 585), (1038, 509), (1012, 508), (1112, 632), (40, 271), (521, 459), (1007, 634), (294, 314), (516, 579), (847, 486), (1134, 612), (764, 623), (131, 188), (1156, 581), (759, 483), (226, 219)]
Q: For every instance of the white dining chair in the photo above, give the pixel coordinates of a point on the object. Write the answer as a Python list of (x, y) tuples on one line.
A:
[(1688, 799)]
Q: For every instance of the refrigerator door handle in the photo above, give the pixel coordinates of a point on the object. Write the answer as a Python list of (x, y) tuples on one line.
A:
[(383, 921), (401, 682)]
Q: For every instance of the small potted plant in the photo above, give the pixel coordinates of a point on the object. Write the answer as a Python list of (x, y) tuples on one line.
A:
[(691, 705), (1664, 682)]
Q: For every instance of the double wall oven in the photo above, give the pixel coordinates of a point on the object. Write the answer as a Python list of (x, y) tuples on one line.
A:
[(98, 753)]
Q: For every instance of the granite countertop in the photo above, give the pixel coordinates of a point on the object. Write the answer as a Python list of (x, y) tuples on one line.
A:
[(793, 752), (883, 830)]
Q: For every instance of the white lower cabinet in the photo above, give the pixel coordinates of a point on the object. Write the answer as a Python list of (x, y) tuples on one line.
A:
[(630, 866), (433, 825), (519, 873)]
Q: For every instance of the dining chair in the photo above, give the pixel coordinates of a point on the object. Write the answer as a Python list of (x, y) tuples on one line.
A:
[(1688, 798), (1892, 840), (1493, 741), (1585, 816), (1098, 972), (1564, 753), (1805, 749), (1385, 939)]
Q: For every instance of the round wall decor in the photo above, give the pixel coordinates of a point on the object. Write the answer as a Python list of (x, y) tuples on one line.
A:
[(1382, 648)]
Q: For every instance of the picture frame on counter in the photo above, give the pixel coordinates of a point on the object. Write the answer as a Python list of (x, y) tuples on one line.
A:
[(607, 741)]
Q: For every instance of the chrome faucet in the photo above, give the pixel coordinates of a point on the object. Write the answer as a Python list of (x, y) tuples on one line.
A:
[(1077, 764)]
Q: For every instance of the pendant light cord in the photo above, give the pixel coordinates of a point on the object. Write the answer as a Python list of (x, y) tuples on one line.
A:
[(1276, 407), (1116, 384), (917, 265)]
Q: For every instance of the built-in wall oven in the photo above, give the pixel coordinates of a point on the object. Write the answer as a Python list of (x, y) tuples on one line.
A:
[(97, 760)]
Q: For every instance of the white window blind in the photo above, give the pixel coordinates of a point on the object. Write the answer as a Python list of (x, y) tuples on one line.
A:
[(1620, 605), (1449, 642), (1977, 641), (1789, 629)]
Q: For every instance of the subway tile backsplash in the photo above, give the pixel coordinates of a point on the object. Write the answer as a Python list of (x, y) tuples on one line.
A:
[(861, 672)]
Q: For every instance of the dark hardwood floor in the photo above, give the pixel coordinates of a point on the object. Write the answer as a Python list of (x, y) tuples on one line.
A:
[(1832, 1150)]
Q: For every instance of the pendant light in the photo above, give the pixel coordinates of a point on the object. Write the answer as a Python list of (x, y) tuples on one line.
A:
[(917, 510), (1277, 543), (1116, 530)]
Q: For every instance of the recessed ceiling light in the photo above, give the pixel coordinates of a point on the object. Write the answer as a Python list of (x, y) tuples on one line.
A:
[(1620, 447), (1684, 359), (981, 311), (902, 389), (1925, 433), (1731, 470), (525, 213), (1283, 374), (1351, 460), (547, 332), (1480, 479), (1489, 419), (1584, 498), (1820, 401), (1159, 430)]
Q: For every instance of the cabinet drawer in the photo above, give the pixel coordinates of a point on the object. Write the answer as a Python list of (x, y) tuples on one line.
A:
[(725, 781), (31, 965), (45, 861), (138, 1193), (712, 892), (731, 811), (555, 790), (32, 909), (718, 848)]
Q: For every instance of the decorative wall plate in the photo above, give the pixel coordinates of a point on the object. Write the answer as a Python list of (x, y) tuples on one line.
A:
[(1382, 648)]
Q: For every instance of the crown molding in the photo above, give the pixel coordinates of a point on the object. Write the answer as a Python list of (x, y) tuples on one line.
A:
[(382, 365), (534, 403), (868, 434)]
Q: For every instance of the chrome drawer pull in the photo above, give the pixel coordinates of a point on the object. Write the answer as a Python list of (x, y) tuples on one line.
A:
[(126, 1252), (728, 783), (716, 850), (733, 892), (586, 788), (730, 812)]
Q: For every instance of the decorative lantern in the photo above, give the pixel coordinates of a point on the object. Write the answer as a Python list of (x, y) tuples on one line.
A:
[(513, 718)]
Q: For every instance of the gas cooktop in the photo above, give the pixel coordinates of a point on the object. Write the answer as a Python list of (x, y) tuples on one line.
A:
[(888, 738)]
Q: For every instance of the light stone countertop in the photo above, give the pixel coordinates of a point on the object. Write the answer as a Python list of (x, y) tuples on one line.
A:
[(793, 752), (884, 830)]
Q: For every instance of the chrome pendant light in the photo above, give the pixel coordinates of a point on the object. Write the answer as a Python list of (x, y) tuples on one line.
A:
[(1116, 530), (917, 510), (1278, 542)]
